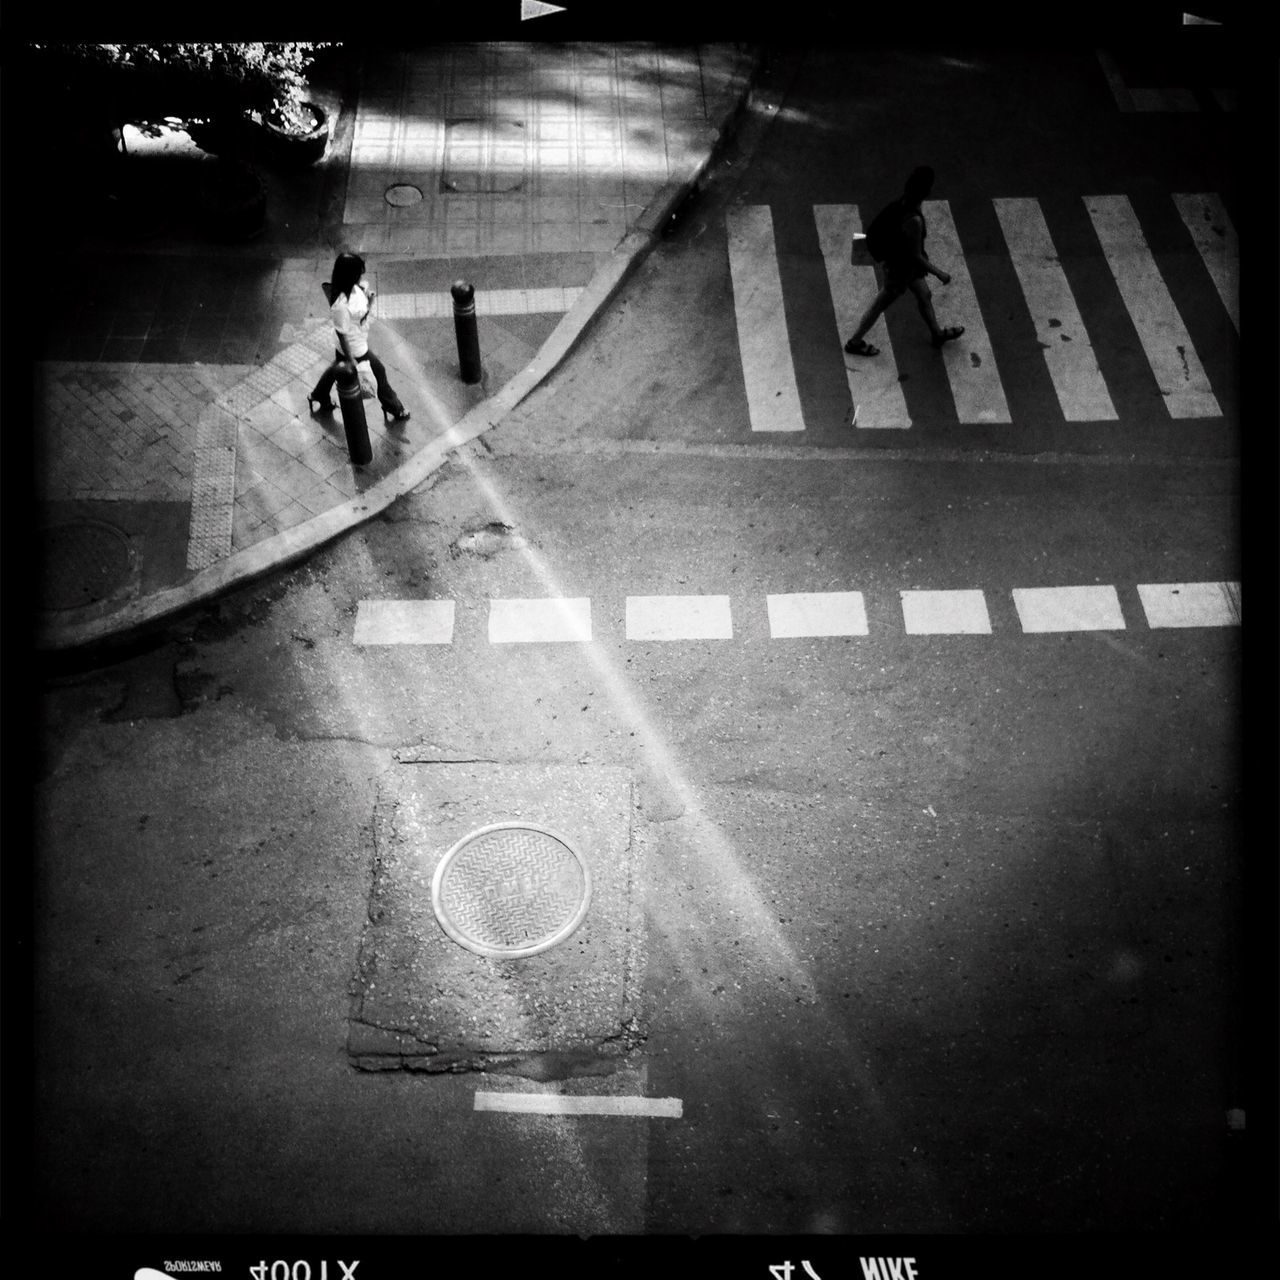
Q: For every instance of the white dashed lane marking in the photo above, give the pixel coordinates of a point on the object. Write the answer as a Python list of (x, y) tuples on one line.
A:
[(931, 613), (534, 621), (1191, 604), (404, 622), (561, 1104), (1068, 609), (679, 618), (803, 614), (816, 613)]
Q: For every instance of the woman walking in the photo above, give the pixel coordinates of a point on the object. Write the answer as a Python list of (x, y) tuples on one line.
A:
[(351, 306)]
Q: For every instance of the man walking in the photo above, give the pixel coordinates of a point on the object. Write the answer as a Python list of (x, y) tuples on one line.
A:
[(906, 264)]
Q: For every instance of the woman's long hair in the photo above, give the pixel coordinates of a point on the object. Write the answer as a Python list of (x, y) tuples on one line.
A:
[(347, 270)]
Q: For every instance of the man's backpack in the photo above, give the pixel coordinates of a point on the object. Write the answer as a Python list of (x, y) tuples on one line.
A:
[(884, 235)]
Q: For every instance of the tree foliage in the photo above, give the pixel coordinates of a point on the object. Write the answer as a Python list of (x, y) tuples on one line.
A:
[(135, 83)]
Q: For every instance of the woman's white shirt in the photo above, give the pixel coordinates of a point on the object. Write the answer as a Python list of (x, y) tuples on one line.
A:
[(351, 319)]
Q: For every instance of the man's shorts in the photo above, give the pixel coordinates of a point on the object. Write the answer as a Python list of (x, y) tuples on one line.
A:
[(898, 277)]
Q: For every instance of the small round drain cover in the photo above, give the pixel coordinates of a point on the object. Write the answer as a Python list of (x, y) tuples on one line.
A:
[(84, 561), (401, 194), (511, 889)]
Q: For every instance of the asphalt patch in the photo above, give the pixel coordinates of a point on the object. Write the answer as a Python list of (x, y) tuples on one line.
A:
[(423, 1002)]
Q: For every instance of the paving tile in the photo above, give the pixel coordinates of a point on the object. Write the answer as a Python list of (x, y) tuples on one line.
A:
[(290, 517)]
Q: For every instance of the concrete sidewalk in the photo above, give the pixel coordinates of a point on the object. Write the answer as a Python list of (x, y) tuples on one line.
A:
[(176, 456)]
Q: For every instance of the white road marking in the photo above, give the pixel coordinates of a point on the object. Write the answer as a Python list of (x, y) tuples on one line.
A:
[(1068, 353), (1068, 608), (802, 614), (930, 613), (1215, 237), (489, 302), (560, 1104), (816, 613), (873, 381), (1191, 604), (679, 618), (970, 361), (1178, 371), (1115, 81), (404, 622), (1164, 100), (773, 399), (556, 619)]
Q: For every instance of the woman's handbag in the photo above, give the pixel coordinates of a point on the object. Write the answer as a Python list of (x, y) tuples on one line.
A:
[(368, 383)]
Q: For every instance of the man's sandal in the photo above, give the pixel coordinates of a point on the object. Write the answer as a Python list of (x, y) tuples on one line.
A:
[(861, 348), (946, 335)]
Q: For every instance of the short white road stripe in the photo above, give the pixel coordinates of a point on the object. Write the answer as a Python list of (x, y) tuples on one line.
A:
[(932, 613), (773, 399), (1215, 237), (817, 613), (537, 621), (404, 622), (1115, 81), (1191, 604), (1176, 99), (1068, 608), (489, 302), (1179, 374), (560, 1104), (1068, 353), (970, 361), (873, 382), (679, 618)]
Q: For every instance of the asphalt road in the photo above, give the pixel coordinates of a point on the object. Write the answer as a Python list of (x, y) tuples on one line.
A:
[(941, 932)]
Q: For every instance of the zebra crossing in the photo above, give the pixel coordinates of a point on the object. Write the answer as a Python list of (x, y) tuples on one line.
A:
[(800, 615), (1063, 332)]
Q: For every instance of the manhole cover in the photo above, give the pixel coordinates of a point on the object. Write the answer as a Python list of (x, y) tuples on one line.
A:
[(84, 561), (402, 194), (511, 890)]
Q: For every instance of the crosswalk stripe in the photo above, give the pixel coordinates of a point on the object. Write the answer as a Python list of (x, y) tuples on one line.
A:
[(1068, 609), (1068, 353), (931, 613), (1191, 604), (816, 613), (404, 622), (555, 619), (1173, 359), (1215, 238), (679, 618), (873, 383), (773, 399), (970, 362), (1115, 81)]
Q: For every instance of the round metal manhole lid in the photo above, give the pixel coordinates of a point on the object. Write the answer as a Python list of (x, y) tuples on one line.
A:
[(511, 890), (402, 194), (85, 561)]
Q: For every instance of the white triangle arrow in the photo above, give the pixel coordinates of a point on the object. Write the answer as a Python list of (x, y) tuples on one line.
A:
[(536, 9)]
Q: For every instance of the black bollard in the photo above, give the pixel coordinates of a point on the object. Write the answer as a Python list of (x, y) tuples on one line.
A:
[(464, 322), (351, 402)]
